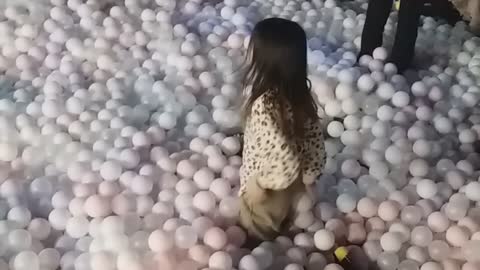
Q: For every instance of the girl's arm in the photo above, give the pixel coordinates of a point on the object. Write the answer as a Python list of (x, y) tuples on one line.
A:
[(314, 152), (278, 158)]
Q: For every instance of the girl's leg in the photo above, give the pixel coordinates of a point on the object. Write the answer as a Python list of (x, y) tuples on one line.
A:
[(258, 223), (272, 217), (403, 49), (378, 12), (291, 197)]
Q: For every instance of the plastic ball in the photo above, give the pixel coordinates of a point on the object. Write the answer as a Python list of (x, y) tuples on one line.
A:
[(457, 236), (438, 222), (97, 206), (365, 83), (20, 215), (380, 54), (324, 240), (421, 236), (19, 240), (411, 215), (77, 227), (185, 237), (387, 260), (400, 99), (346, 203), (215, 238), (335, 129), (438, 250), (220, 260), (39, 228), (160, 241), (367, 207), (471, 191), (388, 210), (49, 258), (26, 260), (110, 170), (391, 242)]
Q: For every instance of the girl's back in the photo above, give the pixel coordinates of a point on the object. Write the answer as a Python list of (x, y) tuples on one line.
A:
[(266, 145)]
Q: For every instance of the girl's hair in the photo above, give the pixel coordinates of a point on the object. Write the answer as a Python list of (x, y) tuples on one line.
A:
[(277, 55)]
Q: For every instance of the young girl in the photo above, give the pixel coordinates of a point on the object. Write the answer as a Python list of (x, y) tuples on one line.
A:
[(283, 142)]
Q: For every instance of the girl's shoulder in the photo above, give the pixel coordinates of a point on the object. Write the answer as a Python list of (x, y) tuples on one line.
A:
[(265, 101)]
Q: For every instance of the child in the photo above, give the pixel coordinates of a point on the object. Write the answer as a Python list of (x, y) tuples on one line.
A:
[(283, 141), (408, 20)]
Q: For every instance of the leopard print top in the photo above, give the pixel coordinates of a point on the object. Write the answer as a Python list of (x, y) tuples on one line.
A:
[(270, 158)]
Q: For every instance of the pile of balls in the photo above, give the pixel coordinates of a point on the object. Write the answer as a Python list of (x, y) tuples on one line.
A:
[(117, 147)]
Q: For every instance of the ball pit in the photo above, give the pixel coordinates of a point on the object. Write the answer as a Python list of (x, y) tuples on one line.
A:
[(117, 147)]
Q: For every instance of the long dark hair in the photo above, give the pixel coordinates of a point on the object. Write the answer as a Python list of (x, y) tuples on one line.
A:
[(277, 66)]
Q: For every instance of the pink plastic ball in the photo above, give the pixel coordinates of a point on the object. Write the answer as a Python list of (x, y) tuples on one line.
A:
[(215, 238), (356, 233), (388, 210), (438, 222), (470, 266), (97, 206), (367, 207), (457, 236), (200, 254)]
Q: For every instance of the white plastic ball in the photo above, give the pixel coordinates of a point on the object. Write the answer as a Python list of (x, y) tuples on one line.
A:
[(324, 240), (391, 242), (426, 188), (77, 227), (26, 260), (185, 237), (220, 260)]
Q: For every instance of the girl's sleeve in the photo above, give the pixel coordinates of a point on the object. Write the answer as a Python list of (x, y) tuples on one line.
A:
[(279, 162), (314, 152)]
